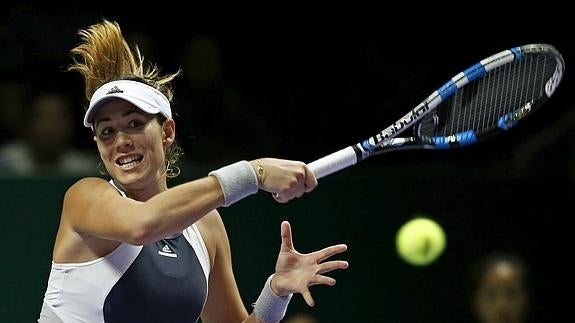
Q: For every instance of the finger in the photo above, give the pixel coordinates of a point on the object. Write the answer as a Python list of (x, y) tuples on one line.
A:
[(276, 196), (310, 180), (332, 265), (307, 297), (287, 241), (323, 280), (300, 192), (300, 186), (330, 251), (279, 198)]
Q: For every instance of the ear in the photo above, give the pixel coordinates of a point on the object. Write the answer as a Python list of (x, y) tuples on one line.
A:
[(168, 132)]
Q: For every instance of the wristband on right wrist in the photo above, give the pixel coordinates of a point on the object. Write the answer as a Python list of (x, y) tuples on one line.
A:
[(237, 180)]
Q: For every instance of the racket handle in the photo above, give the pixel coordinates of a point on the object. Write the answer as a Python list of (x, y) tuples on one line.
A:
[(333, 162)]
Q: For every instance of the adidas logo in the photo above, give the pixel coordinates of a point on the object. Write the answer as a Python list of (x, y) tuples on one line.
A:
[(167, 252), (113, 90)]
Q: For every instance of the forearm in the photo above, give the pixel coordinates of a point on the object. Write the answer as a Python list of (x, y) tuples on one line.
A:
[(179, 207)]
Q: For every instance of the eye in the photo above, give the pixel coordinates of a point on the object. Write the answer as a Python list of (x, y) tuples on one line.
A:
[(135, 123), (106, 132)]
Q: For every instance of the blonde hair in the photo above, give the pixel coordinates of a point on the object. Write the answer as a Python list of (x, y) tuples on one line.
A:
[(103, 55)]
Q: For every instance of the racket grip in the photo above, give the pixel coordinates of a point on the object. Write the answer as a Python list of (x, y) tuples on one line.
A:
[(333, 162)]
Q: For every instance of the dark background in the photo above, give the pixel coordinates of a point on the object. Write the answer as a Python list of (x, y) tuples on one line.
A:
[(320, 78)]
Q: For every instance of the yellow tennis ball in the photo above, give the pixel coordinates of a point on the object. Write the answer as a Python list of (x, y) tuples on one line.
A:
[(420, 241)]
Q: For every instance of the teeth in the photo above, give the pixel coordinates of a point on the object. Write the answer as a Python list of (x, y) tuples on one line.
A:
[(128, 165), (128, 161)]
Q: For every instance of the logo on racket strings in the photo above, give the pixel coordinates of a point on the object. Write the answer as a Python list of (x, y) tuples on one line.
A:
[(553, 82)]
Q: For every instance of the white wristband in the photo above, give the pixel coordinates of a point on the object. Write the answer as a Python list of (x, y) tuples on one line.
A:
[(237, 180), (269, 307)]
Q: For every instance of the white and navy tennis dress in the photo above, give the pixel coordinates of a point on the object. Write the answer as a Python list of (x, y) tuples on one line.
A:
[(164, 281)]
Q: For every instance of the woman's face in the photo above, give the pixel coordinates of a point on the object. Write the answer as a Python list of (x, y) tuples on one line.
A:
[(132, 143), (502, 295)]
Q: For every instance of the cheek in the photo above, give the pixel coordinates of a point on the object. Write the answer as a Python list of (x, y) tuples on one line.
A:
[(155, 145), (103, 150), (152, 140)]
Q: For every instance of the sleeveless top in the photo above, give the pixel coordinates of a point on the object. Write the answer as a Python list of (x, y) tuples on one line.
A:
[(164, 281)]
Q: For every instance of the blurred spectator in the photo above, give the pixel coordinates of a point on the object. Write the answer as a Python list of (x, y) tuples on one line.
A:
[(45, 145), (499, 291), (12, 94)]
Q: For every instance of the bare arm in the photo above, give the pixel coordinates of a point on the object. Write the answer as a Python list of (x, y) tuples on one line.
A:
[(224, 304), (295, 273), (92, 206)]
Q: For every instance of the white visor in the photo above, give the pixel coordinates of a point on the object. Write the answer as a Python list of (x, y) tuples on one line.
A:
[(145, 97)]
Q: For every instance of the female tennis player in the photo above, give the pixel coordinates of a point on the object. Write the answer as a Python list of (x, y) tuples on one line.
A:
[(133, 250)]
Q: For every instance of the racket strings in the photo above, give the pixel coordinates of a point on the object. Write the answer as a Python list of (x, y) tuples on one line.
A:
[(502, 93)]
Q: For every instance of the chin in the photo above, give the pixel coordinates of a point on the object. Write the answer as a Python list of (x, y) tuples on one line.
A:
[(129, 179)]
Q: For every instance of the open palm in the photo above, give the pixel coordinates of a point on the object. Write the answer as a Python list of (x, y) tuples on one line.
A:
[(296, 272)]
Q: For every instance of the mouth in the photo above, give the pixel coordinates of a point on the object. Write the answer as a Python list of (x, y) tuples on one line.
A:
[(130, 161)]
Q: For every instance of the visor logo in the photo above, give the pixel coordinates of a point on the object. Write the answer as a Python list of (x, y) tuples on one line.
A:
[(113, 90)]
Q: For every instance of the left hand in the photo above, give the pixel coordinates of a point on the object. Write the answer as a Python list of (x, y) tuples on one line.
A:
[(296, 272)]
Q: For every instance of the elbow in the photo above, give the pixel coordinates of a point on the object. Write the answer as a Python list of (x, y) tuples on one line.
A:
[(140, 237), (142, 233)]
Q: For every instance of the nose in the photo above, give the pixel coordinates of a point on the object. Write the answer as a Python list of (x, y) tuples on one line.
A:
[(123, 141)]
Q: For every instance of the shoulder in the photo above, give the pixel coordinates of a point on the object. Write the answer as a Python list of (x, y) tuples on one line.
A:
[(86, 185), (88, 189)]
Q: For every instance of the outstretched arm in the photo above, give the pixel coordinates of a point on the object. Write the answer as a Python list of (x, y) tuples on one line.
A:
[(94, 207), (295, 273)]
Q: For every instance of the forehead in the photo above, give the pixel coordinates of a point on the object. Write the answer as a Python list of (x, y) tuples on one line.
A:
[(502, 273)]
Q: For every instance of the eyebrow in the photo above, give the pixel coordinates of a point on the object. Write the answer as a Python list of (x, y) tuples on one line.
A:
[(125, 114)]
